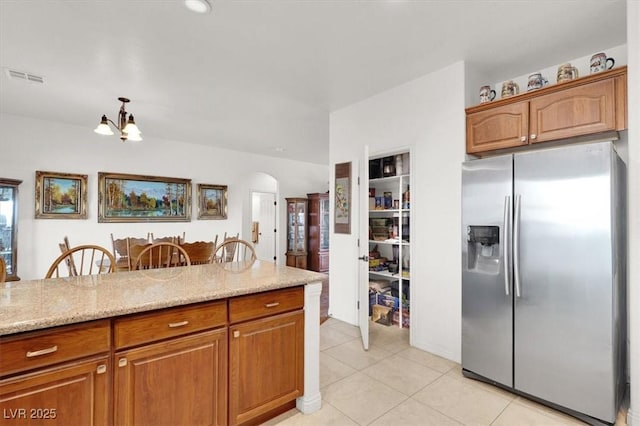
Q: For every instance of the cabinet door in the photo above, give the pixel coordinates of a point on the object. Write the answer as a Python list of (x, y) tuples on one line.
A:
[(581, 110), (266, 364), (301, 262), (496, 128), (324, 223), (324, 262), (178, 382), (72, 394)]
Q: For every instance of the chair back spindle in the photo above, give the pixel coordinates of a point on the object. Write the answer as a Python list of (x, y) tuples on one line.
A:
[(86, 259)]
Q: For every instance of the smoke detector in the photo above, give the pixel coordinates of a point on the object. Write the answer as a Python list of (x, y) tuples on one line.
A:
[(24, 76)]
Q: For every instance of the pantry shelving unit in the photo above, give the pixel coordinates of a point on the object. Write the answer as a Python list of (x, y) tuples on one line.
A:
[(389, 236)]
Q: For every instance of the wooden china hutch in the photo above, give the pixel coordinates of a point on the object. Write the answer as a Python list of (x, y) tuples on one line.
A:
[(297, 232), (318, 226)]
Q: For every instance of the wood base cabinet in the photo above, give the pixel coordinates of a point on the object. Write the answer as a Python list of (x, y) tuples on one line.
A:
[(585, 106), (71, 394), (60, 376), (171, 366), (266, 355), (231, 361), (179, 382)]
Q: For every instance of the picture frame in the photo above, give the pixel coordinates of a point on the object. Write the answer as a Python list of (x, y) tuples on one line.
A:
[(60, 195), (212, 201), (342, 191), (139, 198)]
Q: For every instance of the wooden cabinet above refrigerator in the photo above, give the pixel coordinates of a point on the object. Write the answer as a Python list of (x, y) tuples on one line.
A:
[(584, 106)]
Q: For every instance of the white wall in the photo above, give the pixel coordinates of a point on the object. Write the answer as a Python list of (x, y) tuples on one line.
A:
[(633, 167), (29, 145), (426, 115)]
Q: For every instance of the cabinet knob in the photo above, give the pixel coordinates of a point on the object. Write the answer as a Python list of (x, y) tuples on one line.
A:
[(523, 139), (236, 333), (101, 369), (533, 136), (122, 362)]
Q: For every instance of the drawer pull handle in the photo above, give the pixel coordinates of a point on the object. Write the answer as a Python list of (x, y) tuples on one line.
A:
[(122, 362), (271, 305), (178, 324), (101, 369), (50, 350)]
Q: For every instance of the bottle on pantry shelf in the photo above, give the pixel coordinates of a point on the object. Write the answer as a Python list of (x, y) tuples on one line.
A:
[(399, 165), (406, 198)]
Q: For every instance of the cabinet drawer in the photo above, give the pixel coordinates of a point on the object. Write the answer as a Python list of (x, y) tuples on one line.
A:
[(251, 306), (42, 348), (167, 323)]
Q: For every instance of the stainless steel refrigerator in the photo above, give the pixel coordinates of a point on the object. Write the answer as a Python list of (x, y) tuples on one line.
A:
[(543, 276)]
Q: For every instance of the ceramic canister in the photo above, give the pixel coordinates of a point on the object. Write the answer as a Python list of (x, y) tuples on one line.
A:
[(536, 81), (487, 94), (510, 88), (600, 62), (567, 72)]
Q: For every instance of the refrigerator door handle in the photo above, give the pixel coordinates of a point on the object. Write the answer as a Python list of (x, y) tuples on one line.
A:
[(506, 248), (516, 246)]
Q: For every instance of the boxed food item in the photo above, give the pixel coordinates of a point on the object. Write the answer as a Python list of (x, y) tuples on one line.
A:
[(386, 299), (387, 200), (379, 286), (406, 319), (382, 314)]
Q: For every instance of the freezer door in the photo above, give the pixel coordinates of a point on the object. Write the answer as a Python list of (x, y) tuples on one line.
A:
[(563, 261), (487, 315)]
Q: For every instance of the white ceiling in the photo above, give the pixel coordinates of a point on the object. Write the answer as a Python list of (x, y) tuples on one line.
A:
[(254, 75)]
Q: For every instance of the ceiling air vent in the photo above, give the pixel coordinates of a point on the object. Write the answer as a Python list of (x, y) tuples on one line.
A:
[(25, 76)]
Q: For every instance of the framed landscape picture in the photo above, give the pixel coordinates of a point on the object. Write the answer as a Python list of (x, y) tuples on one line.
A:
[(137, 198), (212, 201), (61, 195)]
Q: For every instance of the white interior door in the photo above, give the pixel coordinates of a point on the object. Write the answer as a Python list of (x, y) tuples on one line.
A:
[(363, 247), (264, 218)]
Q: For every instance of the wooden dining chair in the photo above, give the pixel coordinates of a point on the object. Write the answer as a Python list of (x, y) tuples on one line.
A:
[(176, 239), (87, 259), (3, 270), (64, 246), (200, 252), (159, 255), (235, 250), (126, 263), (121, 250)]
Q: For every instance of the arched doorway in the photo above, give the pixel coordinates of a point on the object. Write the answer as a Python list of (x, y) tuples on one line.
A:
[(262, 220)]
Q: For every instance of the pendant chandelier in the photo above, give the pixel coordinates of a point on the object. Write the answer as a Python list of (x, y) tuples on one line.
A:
[(126, 125)]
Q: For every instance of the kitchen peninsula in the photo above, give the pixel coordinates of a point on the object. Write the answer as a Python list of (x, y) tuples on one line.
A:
[(188, 345)]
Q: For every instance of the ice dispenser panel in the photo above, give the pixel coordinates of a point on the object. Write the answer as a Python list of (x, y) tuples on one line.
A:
[(483, 248)]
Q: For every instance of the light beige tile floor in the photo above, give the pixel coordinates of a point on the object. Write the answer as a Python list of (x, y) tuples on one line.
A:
[(394, 384)]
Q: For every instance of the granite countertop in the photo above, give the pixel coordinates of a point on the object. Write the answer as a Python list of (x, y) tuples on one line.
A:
[(38, 304)]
